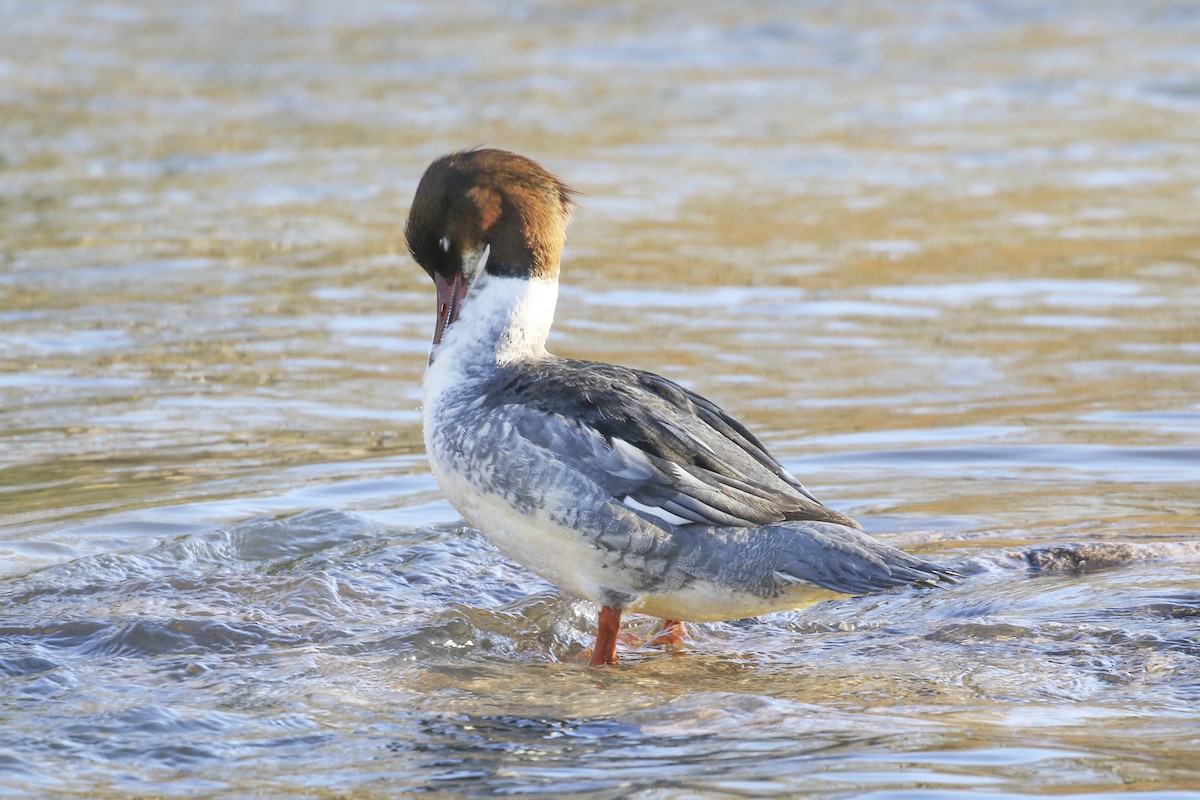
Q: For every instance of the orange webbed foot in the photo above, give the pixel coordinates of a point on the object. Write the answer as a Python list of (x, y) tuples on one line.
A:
[(672, 636)]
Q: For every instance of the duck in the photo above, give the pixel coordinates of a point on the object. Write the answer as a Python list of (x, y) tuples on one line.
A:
[(617, 485)]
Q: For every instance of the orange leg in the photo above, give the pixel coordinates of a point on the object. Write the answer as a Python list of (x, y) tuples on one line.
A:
[(605, 651), (674, 631)]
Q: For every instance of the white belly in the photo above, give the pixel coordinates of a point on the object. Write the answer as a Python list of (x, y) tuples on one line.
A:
[(565, 558), (561, 555), (705, 601)]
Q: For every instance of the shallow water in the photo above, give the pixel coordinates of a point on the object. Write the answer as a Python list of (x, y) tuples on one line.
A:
[(946, 262)]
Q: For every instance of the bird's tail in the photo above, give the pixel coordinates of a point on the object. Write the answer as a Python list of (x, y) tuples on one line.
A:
[(850, 561)]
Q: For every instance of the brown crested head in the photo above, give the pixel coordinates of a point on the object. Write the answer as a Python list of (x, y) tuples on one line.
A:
[(493, 201)]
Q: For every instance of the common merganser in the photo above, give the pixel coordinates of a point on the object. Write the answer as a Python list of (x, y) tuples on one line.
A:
[(617, 485)]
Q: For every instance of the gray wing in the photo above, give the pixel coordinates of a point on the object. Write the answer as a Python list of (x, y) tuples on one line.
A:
[(656, 447), (718, 541)]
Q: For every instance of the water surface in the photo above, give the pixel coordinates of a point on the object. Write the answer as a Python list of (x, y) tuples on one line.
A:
[(945, 261)]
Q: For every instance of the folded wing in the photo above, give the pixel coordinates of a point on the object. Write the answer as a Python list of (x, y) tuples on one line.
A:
[(655, 446)]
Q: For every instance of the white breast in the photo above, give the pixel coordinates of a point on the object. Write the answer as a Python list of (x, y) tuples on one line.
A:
[(502, 320)]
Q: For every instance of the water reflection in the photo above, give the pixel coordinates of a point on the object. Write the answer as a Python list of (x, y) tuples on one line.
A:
[(946, 263)]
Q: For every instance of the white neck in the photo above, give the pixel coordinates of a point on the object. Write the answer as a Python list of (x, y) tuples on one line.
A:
[(502, 321)]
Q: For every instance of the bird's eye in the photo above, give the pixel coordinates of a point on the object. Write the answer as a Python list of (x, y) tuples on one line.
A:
[(444, 243)]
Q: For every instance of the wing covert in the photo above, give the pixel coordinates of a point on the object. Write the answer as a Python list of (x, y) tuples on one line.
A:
[(659, 448)]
